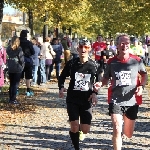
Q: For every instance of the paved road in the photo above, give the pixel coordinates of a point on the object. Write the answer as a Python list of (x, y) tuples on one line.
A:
[(46, 128)]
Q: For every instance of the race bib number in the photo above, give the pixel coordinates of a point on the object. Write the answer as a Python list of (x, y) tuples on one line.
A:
[(82, 81), (110, 53), (98, 53), (123, 78)]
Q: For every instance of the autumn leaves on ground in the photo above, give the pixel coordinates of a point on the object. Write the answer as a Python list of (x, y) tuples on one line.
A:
[(9, 113), (148, 86)]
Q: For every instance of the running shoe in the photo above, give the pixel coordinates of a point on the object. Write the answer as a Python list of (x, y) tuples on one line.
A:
[(81, 136), (17, 92), (30, 93)]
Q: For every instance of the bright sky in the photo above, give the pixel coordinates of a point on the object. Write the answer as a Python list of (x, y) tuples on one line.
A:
[(8, 9)]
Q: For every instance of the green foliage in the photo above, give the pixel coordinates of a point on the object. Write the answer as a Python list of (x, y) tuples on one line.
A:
[(90, 17)]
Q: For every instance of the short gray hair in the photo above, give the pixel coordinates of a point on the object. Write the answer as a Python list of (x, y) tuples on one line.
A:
[(121, 35)]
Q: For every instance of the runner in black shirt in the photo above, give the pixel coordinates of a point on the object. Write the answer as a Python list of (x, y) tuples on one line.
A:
[(108, 53), (80, 94)]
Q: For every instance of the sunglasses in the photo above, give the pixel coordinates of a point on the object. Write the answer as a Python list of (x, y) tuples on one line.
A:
[(84, 46)]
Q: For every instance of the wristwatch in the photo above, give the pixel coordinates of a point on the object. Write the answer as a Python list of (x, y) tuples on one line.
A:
[(142, 86)]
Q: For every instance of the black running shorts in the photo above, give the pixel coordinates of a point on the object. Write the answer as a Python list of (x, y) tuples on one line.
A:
[(27, 72), (129, 111), (83, 111)]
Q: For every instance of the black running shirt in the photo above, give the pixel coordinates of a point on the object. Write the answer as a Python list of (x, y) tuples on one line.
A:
[(82, 79)]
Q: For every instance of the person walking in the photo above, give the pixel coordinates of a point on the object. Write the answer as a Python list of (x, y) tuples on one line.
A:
[(39, 44), (28, 51), (80, 94), (42, 61), (66, 45), (57, 48), (50, 54), (125, 92), (15, 67), (2, 63), (35, 59)]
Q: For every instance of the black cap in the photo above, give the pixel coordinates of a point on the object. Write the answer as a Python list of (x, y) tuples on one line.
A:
[(84, 42), (23, 33)]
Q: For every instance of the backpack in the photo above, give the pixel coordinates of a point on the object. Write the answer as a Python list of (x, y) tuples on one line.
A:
[(15, 65)]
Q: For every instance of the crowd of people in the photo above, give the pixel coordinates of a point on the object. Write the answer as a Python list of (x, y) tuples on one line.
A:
[(33, 61), (119, 64)]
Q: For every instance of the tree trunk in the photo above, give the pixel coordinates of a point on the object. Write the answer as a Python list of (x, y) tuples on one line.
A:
[(45, 32), (63, 29), (31, 21), (24, 18), (45, 28), (1, 15)]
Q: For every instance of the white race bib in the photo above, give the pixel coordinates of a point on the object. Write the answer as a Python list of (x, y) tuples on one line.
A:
[(98, 53), (82, 81), (123, 78)]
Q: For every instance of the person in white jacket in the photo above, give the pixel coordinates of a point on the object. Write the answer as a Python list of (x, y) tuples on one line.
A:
[(49, 53)]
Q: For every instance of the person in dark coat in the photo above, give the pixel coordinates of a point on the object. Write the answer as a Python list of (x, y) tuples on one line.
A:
[(15, 67)]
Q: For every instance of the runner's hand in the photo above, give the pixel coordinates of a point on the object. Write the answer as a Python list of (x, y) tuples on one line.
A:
[(97, 86), (139, 90), (93, 98), (61, 92)]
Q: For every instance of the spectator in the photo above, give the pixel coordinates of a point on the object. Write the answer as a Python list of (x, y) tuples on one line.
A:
[(50, 54), (2, 63), (42, 63), (28, 51), (148, 46), (15, 67), (39, 44), (35, 59), (57, 61), (66, 45)]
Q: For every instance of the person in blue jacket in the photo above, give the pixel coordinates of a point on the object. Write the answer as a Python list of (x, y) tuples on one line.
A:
[(57, 48)]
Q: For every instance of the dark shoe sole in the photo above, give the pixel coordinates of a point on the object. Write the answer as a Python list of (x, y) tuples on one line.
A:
[(14, 102)]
